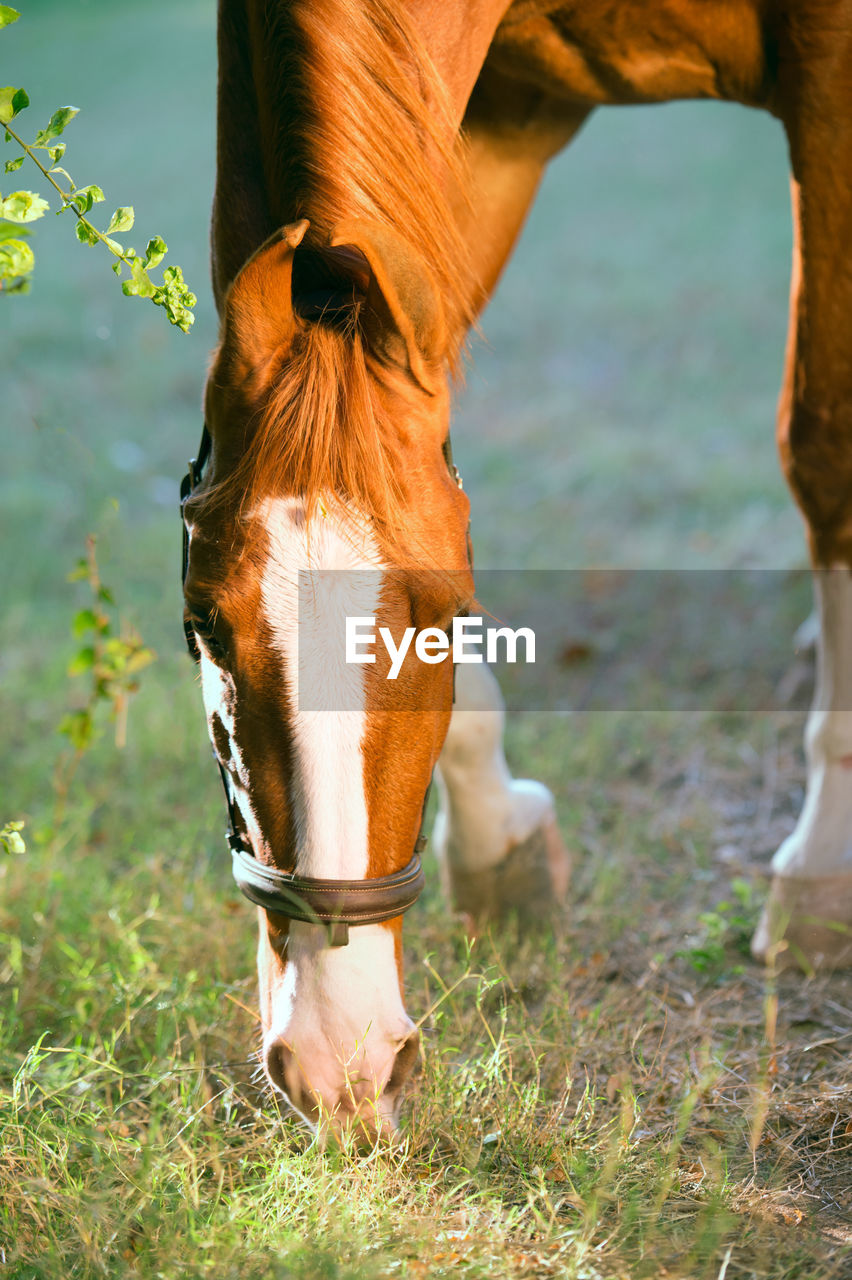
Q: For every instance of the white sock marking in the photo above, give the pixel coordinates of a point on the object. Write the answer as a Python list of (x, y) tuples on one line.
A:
[(484, 810), (821, 844)]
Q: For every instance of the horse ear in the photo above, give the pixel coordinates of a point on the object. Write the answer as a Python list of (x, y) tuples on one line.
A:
[(401, 315), (258, 315)]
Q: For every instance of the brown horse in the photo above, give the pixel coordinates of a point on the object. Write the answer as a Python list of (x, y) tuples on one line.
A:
[(376, 159)]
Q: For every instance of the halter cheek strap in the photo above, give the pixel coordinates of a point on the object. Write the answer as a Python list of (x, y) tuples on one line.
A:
[(335, 904)]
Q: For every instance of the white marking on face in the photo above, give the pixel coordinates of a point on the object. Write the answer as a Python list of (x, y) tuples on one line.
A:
[(220, 699), (307, 627), (338, 1013), (821, 844)]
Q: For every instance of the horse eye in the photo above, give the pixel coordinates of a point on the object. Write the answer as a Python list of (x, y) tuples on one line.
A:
[(215, 648), (204, 629)]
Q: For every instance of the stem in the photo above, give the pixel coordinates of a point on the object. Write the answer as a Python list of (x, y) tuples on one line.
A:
[(91, 556), (36, 161), (67, 202)]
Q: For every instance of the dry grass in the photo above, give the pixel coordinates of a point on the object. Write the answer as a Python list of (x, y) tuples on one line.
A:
[(633, 1098)]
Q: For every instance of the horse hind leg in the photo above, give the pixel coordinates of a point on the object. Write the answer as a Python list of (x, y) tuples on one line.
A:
[(496, 836), (808, 918)]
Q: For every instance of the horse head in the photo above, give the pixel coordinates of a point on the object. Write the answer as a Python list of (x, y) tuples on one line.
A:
[(328, 496)]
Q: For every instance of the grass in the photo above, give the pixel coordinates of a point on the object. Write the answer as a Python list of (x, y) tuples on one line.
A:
[(630, 1098)]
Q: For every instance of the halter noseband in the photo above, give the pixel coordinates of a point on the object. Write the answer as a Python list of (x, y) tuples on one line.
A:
[(335, 904)]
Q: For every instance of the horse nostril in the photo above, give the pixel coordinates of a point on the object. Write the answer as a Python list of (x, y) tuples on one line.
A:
[(406, 1056), (347, 1099), (284, 1074)]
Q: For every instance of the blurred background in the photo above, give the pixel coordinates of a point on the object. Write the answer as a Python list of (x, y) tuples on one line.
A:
[(618, 412)]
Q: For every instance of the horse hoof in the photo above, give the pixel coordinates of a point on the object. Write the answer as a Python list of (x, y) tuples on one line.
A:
[(806, 924), (529, 882)]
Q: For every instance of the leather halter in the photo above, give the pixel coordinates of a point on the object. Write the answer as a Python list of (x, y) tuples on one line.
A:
[(335, 904)]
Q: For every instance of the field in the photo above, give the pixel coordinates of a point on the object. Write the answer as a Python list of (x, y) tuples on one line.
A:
[(631, 1098)]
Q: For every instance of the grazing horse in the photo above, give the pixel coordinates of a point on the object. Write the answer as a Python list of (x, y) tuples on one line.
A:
[(376, 159)]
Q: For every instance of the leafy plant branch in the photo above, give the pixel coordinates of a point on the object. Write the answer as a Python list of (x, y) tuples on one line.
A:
[(17, 260), (111, 655)]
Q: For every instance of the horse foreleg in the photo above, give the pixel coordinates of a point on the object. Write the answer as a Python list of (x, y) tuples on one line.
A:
[(496, 836), (808, 919)]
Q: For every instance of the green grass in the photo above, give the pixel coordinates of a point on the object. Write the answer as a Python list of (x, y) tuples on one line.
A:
[(631, 1098)]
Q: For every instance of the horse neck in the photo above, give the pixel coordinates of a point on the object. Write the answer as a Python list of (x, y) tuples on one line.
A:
[(334, 110)]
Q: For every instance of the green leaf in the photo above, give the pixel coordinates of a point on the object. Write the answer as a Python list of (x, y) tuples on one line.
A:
[(55, 125), (23, 206), (177, 299), (12, 101), (85, 197), (86, 233), (138, 659), (57, 152), (8, 15), (85, 620), (155, 250), (114, 246), (82, 661), (80, 571), (11, 165), (16, 260), (116, 266), (8, 231), (140, 284), (79, 728), (121, 220), (11, 839)]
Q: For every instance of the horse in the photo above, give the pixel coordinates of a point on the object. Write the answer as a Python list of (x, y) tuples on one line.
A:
[(375, 162)]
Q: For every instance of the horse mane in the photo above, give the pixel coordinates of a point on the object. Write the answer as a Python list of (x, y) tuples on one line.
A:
[(355, 124)]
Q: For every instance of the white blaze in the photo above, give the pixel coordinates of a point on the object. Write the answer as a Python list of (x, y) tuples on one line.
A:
[(339, 1010), (308, 633)]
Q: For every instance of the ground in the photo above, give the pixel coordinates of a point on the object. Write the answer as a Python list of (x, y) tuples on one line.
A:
[(632, 1097)]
